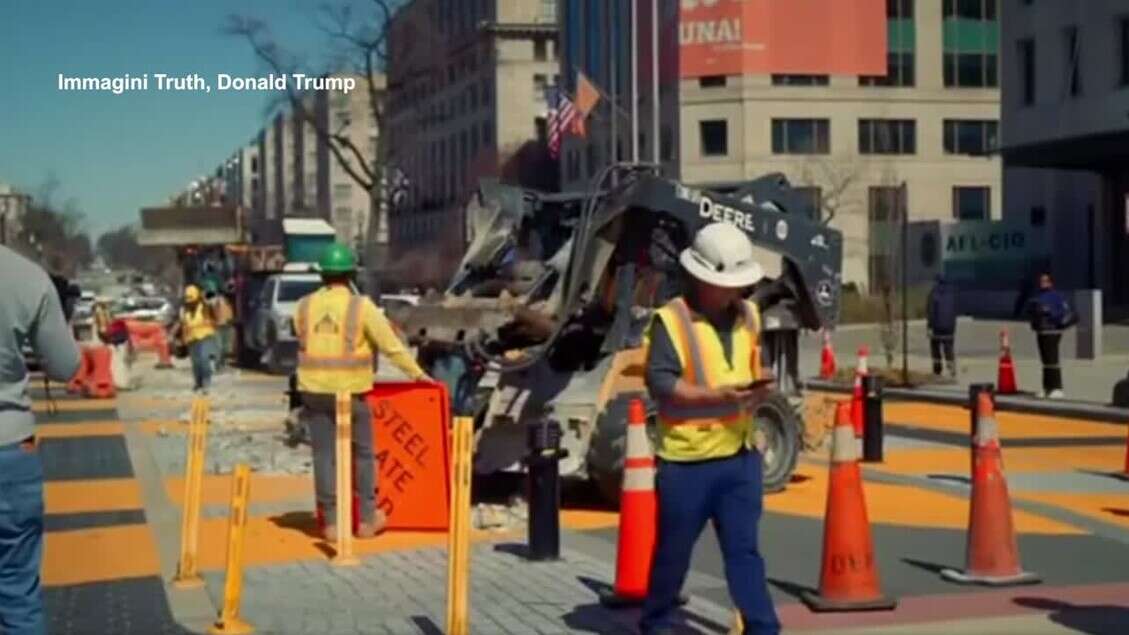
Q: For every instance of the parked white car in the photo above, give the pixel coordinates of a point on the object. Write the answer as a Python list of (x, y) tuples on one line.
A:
[(269, 334)]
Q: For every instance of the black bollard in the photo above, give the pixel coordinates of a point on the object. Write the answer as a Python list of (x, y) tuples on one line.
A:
[(872, 434), (545, 453), (292, 392)]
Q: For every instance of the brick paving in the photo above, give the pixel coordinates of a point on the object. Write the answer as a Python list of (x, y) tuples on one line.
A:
[(404, 592)]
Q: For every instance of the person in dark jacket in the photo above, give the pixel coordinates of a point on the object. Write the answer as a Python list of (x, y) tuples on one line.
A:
[(942, 324), (1050, 314)]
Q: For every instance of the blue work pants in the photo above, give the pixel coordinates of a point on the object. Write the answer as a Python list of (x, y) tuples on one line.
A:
[(728, 491), (21, 540)]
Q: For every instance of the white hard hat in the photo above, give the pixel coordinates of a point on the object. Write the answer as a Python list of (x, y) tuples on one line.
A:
[(722, 255)]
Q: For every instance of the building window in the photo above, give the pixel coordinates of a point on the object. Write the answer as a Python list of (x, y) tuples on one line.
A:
[(971, 43), (812, 201), (972, 203), (1072, 51), (342, 191), (540, 49), (574, 165), (542, 127), (485, 92), (540, 83), (712, 81), (1038, 216), (901, 42), (887, 136), (970, 137), (591, 157), (1027, 69), (488, 134), (800, 80), (714, 137), (1123, 43), (801, 136)]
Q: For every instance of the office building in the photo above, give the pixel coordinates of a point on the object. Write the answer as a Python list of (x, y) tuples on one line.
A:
[(466, 101), (1065, 143), (929, 121)]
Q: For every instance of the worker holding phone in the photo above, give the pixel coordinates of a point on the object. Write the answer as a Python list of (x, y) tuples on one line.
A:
[(703, 371)]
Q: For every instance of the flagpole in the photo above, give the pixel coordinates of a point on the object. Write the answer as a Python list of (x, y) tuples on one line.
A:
[(656, 142), (635, 81)]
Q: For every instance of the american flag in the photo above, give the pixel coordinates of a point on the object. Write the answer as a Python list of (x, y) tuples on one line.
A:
[(562, 116)]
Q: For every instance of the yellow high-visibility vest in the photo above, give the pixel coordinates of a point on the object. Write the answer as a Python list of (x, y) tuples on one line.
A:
[(197, 323), (695, 433), (333, 353)]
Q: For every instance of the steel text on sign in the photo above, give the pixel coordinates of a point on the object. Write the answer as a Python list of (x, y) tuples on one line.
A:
[(398, 471)]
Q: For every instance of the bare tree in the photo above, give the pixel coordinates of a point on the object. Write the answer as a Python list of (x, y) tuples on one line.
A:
[(836, 178), (359, 43)]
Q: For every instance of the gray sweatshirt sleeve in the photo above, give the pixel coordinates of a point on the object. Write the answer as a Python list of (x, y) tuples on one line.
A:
[(52, 338), (663, 368)]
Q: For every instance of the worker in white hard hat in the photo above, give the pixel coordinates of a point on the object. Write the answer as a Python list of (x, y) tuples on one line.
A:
[(702, 371)]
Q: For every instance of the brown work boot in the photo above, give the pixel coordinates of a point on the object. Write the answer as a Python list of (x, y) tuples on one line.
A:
[(329, 533), (373, 528)]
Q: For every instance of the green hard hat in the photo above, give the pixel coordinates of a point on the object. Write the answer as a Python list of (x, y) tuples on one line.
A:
[(337, 258)]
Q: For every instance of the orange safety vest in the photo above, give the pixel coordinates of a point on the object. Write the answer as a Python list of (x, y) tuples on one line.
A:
[(333, 353), (694, 433)]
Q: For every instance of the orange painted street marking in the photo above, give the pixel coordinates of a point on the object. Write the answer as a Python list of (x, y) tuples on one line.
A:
[(100, 554), (96, 495)]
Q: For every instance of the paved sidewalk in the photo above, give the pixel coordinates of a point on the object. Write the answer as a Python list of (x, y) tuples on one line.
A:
[(404, 592)]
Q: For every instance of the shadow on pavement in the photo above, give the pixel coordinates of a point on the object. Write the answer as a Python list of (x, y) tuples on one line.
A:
[(426, 626), (513, 548), (1116, 511), (305, 523), (931, 567), (1094, 619), (791, 588)]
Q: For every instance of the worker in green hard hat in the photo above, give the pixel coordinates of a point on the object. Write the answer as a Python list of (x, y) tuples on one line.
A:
[(339, 336)]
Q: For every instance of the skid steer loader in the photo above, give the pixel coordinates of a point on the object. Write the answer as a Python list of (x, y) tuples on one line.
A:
[(545, 316)]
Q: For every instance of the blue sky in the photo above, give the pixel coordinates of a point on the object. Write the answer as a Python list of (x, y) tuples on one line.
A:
[(116, 153)]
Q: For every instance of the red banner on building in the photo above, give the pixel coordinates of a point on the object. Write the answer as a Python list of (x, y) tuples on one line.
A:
[(809, 37)]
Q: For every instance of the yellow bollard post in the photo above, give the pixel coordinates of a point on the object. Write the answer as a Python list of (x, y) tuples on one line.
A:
[(458, 540), (344, 455), (187, 575), (229, 622)]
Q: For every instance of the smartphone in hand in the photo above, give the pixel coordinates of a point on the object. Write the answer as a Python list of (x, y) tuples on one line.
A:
[(760, 383)]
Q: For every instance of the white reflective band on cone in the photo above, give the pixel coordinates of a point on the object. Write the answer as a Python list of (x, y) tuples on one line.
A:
[(843, 446), (638, 444), (639, 479), (987, 431)]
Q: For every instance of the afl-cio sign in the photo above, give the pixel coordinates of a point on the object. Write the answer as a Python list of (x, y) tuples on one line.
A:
[(722, 213)]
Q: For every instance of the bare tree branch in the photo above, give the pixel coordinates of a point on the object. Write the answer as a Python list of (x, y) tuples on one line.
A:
[(258, 37)]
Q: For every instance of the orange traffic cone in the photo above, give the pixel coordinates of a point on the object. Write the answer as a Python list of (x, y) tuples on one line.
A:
[(638, 509), (848, 579), (827, 358), (1006, 376), (161, 343), (992, 556), (100, 383), (77, 384), (857, 397)]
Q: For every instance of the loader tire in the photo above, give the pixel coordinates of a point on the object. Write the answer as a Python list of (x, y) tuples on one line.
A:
[(608, 448), (782, 428), (776, 418)]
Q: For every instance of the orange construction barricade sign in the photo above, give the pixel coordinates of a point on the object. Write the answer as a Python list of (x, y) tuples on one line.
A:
[(411, 427)]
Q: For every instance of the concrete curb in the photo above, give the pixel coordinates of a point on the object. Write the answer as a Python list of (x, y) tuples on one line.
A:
[(1010, 403)]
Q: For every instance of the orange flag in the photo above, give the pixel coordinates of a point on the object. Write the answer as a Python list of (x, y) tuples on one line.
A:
[(587, 95)]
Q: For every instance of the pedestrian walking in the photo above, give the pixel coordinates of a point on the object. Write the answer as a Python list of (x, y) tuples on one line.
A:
[(1050, 315), (197, 329), (339, 336), (702, 361), (225, 325), (941, 323), (31, 312)]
